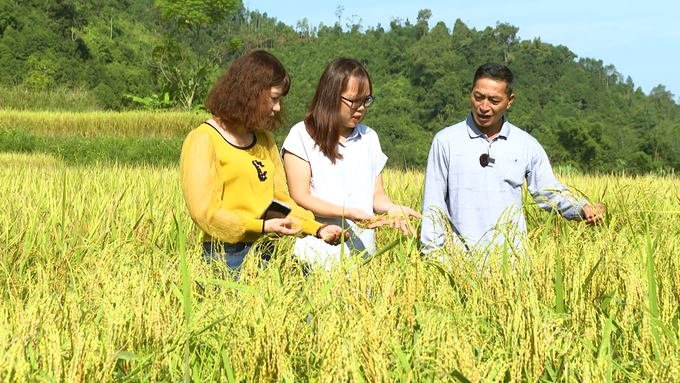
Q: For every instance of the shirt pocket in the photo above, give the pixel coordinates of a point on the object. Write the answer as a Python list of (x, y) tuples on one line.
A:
[(514, 172)]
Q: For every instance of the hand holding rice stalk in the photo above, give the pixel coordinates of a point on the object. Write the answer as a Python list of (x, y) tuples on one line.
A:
[(594, 214), (332, 234), (398, 217)]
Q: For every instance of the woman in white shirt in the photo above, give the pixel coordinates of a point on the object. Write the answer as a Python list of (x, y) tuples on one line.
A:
[(334, 164)]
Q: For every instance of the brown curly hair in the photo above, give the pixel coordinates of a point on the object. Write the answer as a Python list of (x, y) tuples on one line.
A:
[(242, 94)]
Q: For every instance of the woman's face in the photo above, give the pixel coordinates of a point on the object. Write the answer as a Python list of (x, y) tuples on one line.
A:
[(352, 107), (273, 106)]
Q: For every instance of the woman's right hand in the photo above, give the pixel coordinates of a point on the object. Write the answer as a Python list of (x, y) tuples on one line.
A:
[(332, 234), (358, 215), (280, 226)]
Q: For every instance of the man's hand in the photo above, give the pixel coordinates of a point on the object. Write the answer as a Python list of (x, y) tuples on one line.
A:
[(594, 214)]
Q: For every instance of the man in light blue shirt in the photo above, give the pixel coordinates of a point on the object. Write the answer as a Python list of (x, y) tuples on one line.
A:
[(476, 170)]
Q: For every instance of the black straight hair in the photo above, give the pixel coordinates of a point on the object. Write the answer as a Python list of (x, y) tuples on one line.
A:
[(497, 72)]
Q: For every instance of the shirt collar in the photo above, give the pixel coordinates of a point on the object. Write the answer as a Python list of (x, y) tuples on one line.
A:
[(357, 133), (474, 132)]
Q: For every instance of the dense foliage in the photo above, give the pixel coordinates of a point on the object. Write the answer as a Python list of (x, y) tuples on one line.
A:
[(163, 54)]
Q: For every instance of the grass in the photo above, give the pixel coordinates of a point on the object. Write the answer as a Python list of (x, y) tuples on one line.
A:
[(96, 124), (81, 150), (59, 98), (103, 281), (93, 138)]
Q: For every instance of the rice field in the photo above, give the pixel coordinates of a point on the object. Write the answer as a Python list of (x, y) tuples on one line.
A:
[(76, 99), (100, 123), (98, 138), (102, 280)]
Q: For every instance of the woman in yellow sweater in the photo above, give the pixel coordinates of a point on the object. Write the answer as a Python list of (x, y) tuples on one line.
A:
[(231, 168)]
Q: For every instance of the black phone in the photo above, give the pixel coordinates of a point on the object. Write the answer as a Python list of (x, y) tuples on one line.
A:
[(276, 209)]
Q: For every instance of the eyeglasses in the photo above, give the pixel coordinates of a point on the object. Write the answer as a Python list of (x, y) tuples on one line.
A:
[(485, 160), (356, 104)]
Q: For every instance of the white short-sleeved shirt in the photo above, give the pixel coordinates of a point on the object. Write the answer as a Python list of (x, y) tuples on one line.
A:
[(350, 183)]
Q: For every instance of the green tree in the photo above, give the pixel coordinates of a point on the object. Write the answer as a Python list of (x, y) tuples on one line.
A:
[(662, 99), (8, 16), (506, 37), (183, 63), (76, 14), (421, 21), (40, 73)]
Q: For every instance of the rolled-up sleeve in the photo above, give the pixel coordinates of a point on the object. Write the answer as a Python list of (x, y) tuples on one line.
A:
[(548, 192)]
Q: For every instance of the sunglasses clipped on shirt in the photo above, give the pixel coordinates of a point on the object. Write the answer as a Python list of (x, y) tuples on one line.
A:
[(485, 160)]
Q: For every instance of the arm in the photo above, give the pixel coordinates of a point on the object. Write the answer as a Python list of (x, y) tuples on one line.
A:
[(201, 186), (381, 202), (551, 195), (435, 195), (299, 175), (302, 217)]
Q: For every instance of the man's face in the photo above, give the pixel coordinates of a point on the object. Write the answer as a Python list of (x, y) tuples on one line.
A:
[(489, 103)]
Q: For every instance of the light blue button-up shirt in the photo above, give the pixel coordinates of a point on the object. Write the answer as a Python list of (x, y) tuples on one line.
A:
[(477, 200)]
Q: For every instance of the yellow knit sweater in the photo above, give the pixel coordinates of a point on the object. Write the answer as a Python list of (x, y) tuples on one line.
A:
[(227, 188)]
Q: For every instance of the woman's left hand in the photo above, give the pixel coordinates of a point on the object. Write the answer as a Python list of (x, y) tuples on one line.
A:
[(399, 218)]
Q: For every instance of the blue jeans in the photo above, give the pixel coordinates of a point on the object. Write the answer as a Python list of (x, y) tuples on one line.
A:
[(232, 255)]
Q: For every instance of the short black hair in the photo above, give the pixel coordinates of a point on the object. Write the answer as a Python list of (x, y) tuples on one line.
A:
[(497, 72)]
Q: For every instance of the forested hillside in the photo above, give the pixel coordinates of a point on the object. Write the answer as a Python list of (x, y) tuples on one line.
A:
[(165, 54)]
